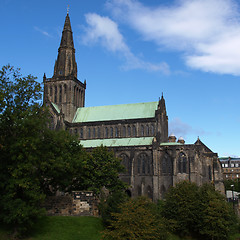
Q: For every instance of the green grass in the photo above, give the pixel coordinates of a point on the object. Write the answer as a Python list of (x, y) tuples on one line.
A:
[(70, 228), (64, 228)]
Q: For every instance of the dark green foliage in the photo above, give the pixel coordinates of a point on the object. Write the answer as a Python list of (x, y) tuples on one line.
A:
[(62, 228), (20, 123), (200, 212), (111, 204), (36, 161), (95, 170), (181, 208), (137, 220), (229, 182), (218, 219)]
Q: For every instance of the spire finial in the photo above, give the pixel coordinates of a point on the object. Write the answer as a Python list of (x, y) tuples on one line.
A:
[(68, 9)]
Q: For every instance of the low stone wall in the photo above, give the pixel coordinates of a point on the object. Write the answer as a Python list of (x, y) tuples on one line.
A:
[(79, 203)]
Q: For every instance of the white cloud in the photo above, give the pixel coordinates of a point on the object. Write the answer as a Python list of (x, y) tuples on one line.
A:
[(179, 128), (206, 32), (42, 32), (104, 30)]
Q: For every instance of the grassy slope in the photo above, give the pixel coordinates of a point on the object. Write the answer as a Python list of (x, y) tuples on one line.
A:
[(70, 228), (64, 228)]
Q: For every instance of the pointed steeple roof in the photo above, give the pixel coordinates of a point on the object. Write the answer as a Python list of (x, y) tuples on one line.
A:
[(162, 105), (65, 64)]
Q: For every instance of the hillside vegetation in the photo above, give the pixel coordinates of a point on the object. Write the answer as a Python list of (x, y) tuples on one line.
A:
[(63, 228)]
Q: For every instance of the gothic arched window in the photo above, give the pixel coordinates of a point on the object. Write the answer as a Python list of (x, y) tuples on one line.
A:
[(55, 96), (81, 133), (147, 130), (182, 163), (89, 132), (75, 131), (167, 164), (94, 132), (134, 131), (116, 132), (124, 131), (129, 131), (152, 130), (126, 163), (106, 132), (149, 192), (210, 173), (60, 93), (111, 132), (65, 93), (143, 163), (98, 132), (142, 130)]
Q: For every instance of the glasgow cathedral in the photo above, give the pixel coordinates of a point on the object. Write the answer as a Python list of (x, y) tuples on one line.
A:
[(136, 133)]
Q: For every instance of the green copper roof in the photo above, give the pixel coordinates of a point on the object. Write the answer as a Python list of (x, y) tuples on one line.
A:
[(170, 144), (117, 142), (56, 107), (116, 112)]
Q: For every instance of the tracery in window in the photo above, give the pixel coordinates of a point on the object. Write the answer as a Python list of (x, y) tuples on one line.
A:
[(182, 163), (143, 163), (167, 164)]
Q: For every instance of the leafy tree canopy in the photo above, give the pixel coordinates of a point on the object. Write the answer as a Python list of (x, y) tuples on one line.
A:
[(200, 212), (36, 161), (137, 220)]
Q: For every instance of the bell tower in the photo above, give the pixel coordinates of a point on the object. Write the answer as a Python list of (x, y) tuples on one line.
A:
[(64, 89)]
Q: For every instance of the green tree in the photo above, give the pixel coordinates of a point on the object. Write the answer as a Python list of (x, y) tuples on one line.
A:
[(20, 118), (199, 212), (182, 208), (229, 182), (102, 170), (34, 160), (137, 220), (111, 204), (218, 219)]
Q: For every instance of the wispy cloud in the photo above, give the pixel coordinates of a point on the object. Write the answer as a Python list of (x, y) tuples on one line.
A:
[(42, 31), (179, 128), (206, 32), (105, 31)]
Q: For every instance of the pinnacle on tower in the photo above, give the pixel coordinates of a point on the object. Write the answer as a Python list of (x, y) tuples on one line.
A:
[(66, 65)]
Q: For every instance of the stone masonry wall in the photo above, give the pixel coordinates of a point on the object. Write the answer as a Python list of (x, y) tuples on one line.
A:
[(79, 203)]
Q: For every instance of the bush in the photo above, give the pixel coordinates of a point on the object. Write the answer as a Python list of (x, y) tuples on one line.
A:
[(137, 220)]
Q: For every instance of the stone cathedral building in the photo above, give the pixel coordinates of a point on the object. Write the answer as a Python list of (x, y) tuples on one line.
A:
[(137, 133)]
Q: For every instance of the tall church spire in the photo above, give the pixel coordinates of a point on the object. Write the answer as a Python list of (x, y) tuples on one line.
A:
[(65, 65)]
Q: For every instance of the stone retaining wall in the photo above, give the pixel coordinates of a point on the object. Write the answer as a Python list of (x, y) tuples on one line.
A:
[(79, 203)]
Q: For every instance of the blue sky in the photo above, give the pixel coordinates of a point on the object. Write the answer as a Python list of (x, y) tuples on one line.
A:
[(131, 51)]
